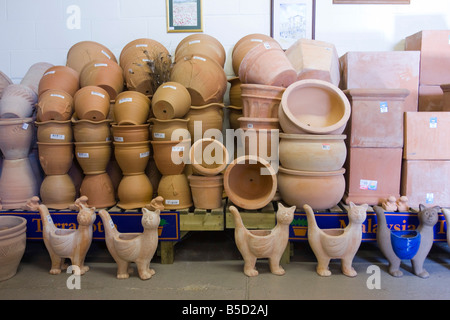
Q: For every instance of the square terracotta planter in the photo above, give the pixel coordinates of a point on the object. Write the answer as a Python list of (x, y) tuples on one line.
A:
[(427, 136), (431, 98), (424, 182), (372, 175), (377, 117), (388, 69)]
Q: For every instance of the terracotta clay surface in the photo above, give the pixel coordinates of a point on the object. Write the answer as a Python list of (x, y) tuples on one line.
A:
[(16, 137), (431, 98), (83, 52), (171, 129), (130, 133), (171, 100), (60, 78), (208, 116), (132, 157), (55, 104), (91, 131), (171, 156), (57, 191), (54, 131), (33, 76), (103, 73), (208, 157), (55, 158), (131, 107), (134, 191), (175, 191), (203, 44), (207, 191), (99, 190), (92, 103), (93, 157), (12, 244), (261, 101), (17, 101)]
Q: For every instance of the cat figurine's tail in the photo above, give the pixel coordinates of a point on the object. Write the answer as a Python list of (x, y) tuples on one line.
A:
[(108, 225), (47, 222), (446, 213), (312, 223), (236, 217)]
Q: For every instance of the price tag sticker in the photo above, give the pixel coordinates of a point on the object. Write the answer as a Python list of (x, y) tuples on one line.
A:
[(433, 122), (384, 107)]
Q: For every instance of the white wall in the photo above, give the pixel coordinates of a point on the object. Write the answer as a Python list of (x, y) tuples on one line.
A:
[(36, 30)]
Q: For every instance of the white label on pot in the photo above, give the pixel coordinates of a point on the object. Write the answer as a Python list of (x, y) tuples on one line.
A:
[(199, 58), (250, 125), (50, 72), (256, 40), (57, 95), (83, 155), (144, 154), (24, 126), (430, 198), (125, 100), (384, 107), (146, 60), (141, 45), (111, 224), (118, 139), (107, 55), (95, 93), (326, 146), (368, 184), (159, 135), (177, 148), (267, 45), (100, 65), (172, 201), (194, 42), (49, 219), (171, 87), (57, 136), (433, 122)]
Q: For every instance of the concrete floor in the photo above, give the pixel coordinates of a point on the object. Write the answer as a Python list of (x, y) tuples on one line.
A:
[(208, 266)]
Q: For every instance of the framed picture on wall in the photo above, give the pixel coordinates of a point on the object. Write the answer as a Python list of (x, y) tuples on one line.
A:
[(292, 20), (184, 16)]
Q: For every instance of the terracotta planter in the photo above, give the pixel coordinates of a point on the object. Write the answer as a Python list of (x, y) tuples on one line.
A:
[(234, 113), (83, 52), (58, 192), (138, 76), (131, 107), (132, 157), (259, 123), (60, 78), (209, 116), (34, 75), (202, 44), (175, 191), (92, 103), (208, 157), (172, 129), (13, 240), (4, 82), (54, 105), (206, 191), (259, 142), (205, 80), (171, 100), (130, 133), (134, 192), (54, 131), (314, 107), (93, 157), (103, 73), (143, 47), (234, 94), (55, 157), (171, 156), (250, 182), (99, 190), (261, 101), (16, 136), (320, 190), (91, 131), (17, 101), (255, 68), (312, 152)]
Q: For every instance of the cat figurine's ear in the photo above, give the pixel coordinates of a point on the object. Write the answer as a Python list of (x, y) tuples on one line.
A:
[(365, 206)]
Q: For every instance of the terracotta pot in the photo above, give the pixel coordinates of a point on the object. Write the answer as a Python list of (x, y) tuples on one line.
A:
[(209, 116), (34, 75), (13, 240), (138, 76), (93, 157), (172, 129), (250, 182), (320, 190), (130, 133), (4, 82), (54, 131), (60, 78), (17, 101), (134, 192), (208, 157), (54, 105), (259, 142), (261, 101), (202, 44), (55, 157), (206, 191), (99, 190), (17, 183), (91, 131), (171, 156), (103, 73), (314, 107), (259, 123), (234, 113), (83, 52), (235, 92), (171, 100), (205, 80), (16, 136), (58, 192), (307, 152), (91, 103), (244, 45), (131, 107), (149, 48), (255, 68), (175, 191), (132, 157)]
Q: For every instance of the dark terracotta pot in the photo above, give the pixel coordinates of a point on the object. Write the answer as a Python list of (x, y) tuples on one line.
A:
[(93, 157), (58, 192), (103, 73), (130, 133), (54, 105), (83, 52), (92, 103), (134, 191), (175, 191), (99, 190), (60, 78), (131, 107), (54, 131), (171, 100), (171, 156), (91, 131), (172, 129), (55, 157), (132, 157)]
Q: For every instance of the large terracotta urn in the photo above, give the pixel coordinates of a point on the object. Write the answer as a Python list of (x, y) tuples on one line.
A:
[(17, 101), (55, 157), (132, 157), (91, 130), (314, 107), (83, 52), (250, 182), (91, 103), (58, 192), (171, 156), (13, 241), (207, 191), (99, 190), (202, 44), (131, 107), (134, 191), (171, 100), (54, 131), (60, 78), (93, 157), (54, 104), (261, 101), (103, 73), (34, 74), (204, 118), (130, 133), (16, 136), (175, 191), (208, 157), (171, 129)]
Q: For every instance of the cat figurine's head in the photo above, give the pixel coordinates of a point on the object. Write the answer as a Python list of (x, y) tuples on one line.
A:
[(150, 219), (86, 216), (428, 216), (285, 215), (357, 213)]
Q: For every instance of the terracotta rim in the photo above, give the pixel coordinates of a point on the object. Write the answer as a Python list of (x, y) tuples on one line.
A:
[(18, 225), (293, 136), (219, 104), (198, 166), (311, 173), (11, 121)]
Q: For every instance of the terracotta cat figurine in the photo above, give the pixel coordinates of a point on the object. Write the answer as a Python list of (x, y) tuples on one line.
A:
[(254, 244), (341, 244), (133, 247), (67, 243), (446, 213)]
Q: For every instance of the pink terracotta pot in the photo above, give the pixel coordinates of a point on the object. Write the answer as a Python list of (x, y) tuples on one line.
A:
[(4, 82), (58, 192), (54, 105), (91, 103), (259, 142), (131, 107), (171, 100), (99, 190), (259, 123), (83, 52), (261, 101), (130, 133), (55, 157), (206, 192), (171, 156), (208, 157), (18, 101), (54, 131), (103, 73), (34, 75), (16, 136), (60, 78), (175, 191), (134, 191), (202, 44), (13, 239)]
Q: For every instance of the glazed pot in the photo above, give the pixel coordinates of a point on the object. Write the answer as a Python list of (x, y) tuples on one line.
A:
[(250, 182), (91, 103), (93, 157), (131, 107), (16, 136), (206, 192), (132, 157), (13, 240), (205, 80), (55, 157), (172, 129), (61, 78), (308, 152), (171, 156), (208, 157), (259, 123), (405, 243), (134, 192), (254, 66), (202, 44), (261, 101), (314, 107), (91, 131), (103, 73), (54, 105), (171, 100), (99, 190), (208, 116), (54, 131), (320, 190), (83, 52), (234, 94), (234, 113), (175, 191), (130, 133), (17, 101), (58, 192), (34, 75)]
